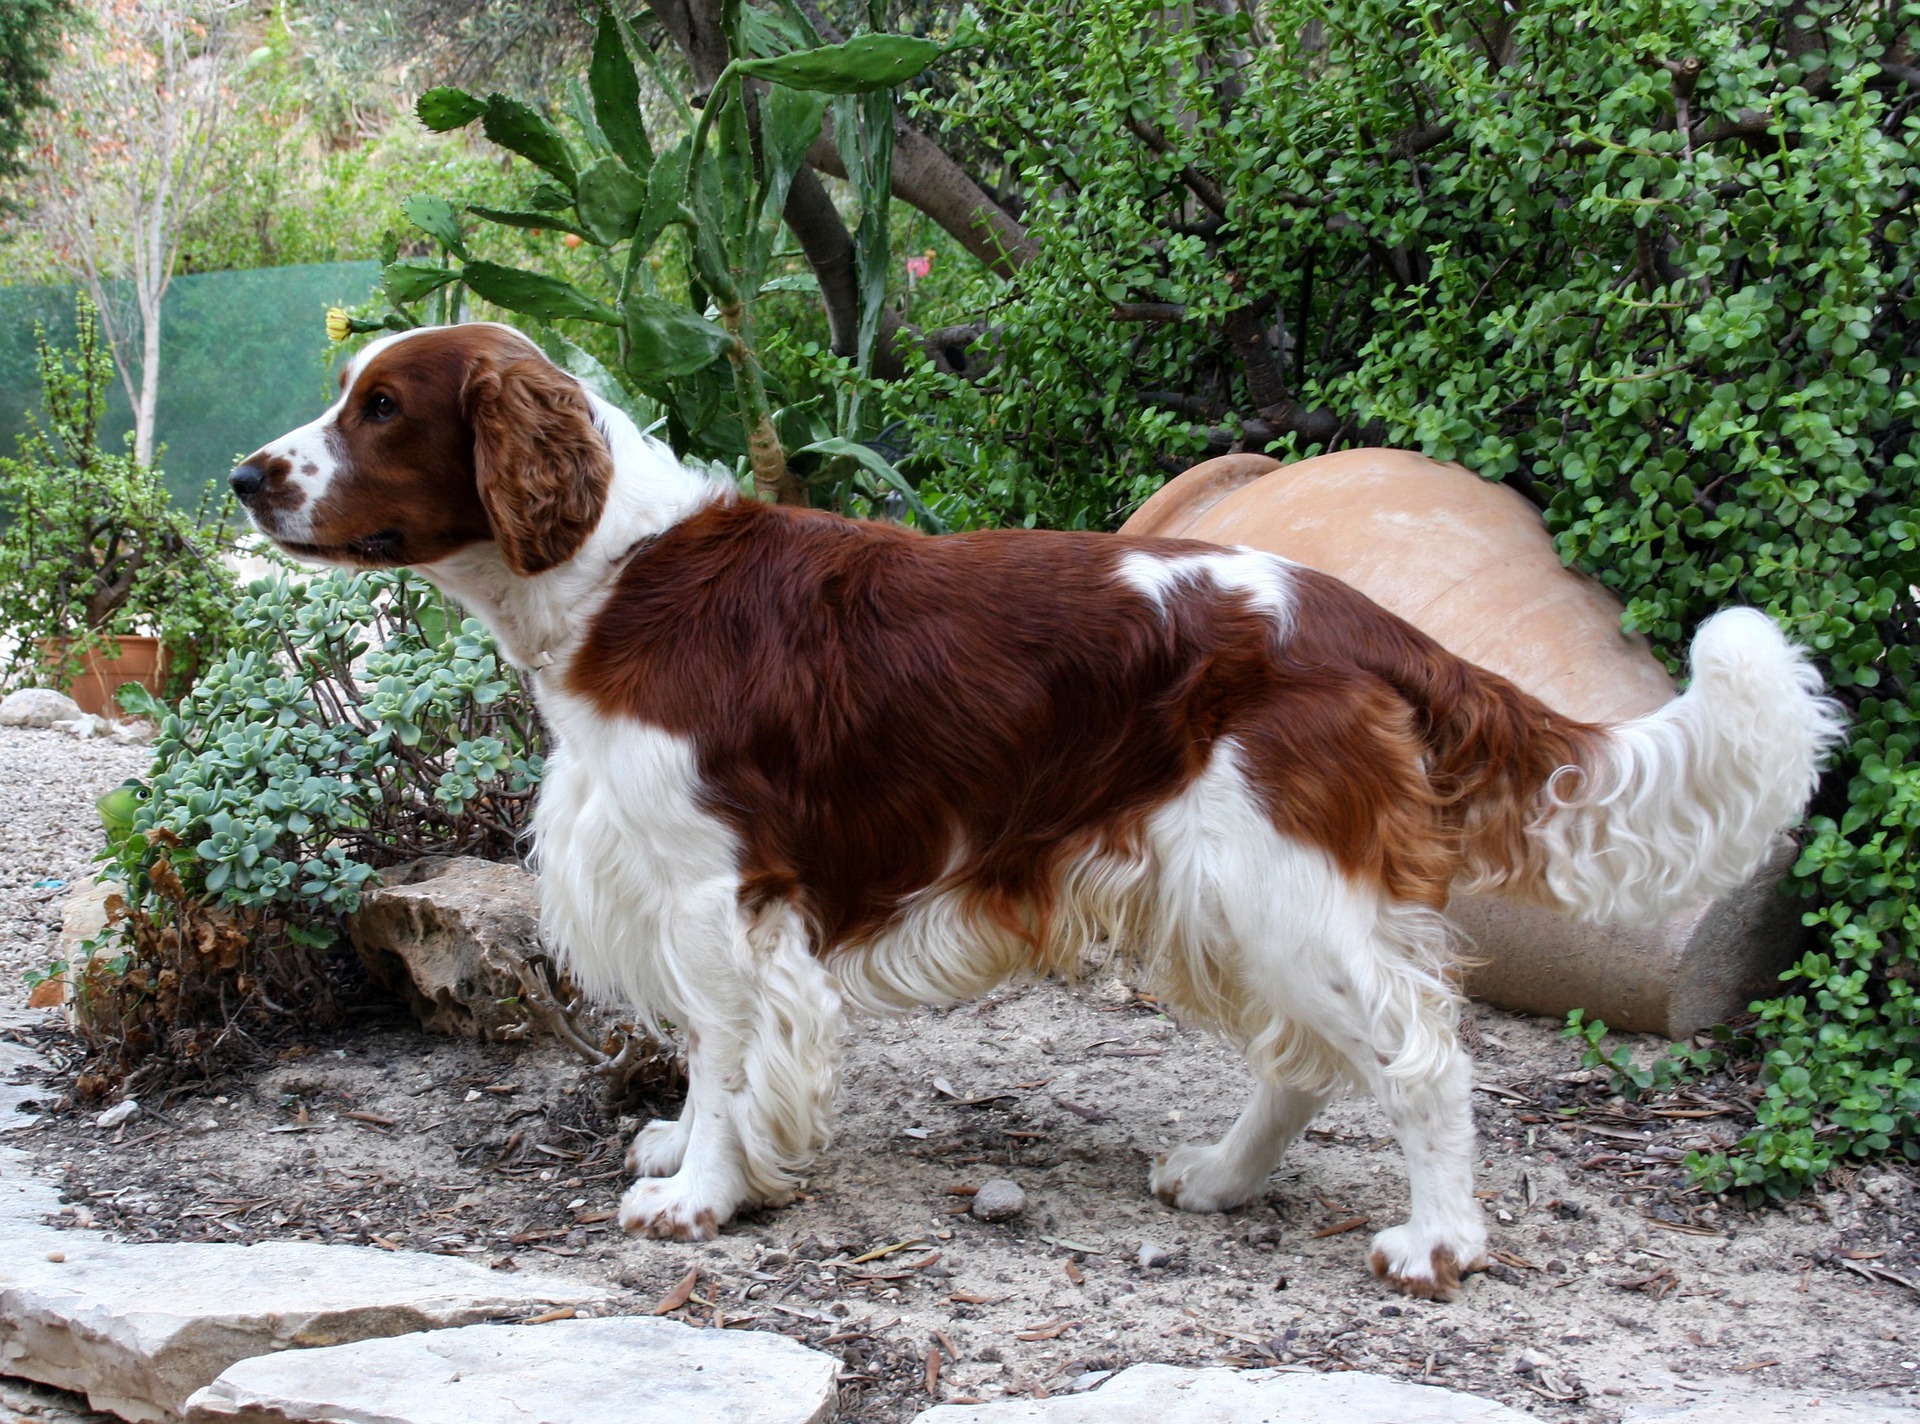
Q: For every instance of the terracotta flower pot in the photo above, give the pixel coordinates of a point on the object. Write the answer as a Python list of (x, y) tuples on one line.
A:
[(143, 659), (1467, 561)]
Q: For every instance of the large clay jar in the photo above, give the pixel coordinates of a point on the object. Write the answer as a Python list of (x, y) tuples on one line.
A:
[(1470, 563)]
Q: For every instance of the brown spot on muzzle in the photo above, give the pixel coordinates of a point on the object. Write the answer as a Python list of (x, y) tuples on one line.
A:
[(278, 494)]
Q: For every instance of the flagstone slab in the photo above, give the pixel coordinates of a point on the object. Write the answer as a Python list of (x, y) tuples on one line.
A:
[(1169, 1394), (632, 1370), (1734, 1404), (138, 1328)]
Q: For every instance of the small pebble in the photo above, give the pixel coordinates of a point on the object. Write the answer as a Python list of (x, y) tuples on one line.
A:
[(120, 1112), (999, 1200), (56, 1256), (1153, 1254)]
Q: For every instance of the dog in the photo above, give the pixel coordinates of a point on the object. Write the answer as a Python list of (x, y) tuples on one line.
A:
[(807, 765)]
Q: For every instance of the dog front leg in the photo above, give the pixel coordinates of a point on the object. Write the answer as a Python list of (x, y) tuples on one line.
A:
[(763, 1057)]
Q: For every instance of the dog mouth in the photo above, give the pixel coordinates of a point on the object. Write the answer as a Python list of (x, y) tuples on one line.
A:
[(380, 548)]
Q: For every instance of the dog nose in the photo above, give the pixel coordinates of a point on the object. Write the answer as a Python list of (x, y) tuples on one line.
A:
[(247, 481)]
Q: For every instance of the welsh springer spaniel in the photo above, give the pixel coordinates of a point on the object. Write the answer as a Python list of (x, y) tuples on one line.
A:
[(807, 765)]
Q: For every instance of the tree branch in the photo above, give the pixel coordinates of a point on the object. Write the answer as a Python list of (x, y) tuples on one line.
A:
[(1198, 183), (925, 177)]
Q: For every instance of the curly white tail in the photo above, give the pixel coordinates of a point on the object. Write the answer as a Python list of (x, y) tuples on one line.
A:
[(1687, 802)]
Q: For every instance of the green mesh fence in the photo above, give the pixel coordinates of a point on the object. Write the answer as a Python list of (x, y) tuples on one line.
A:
[(244, 357)]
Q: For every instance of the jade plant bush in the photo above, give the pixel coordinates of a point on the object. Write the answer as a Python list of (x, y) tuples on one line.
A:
[(356, 723), (683, 340), (1651, 263), (92, 546)]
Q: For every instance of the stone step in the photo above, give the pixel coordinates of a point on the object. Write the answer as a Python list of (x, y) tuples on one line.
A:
[(1169, 1394), (632, 1370), (138, 1328)]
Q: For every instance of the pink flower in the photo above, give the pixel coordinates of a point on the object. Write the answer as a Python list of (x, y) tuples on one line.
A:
[(918, 267)]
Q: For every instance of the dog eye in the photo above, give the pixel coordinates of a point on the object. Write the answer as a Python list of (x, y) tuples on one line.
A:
[(381, 407)]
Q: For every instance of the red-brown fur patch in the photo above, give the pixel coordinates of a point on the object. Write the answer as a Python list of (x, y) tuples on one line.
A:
[(867, 704), (1447, 1271)]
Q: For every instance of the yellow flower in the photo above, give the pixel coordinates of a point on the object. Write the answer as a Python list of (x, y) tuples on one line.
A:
[(339, 324)]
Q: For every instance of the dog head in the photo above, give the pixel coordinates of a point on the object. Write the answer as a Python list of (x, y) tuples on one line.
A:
[(441, 439)]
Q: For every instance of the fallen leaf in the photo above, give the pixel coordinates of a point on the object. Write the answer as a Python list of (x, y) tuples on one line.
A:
[(564, 1313), (1074, 1273), (880, 1251), (680, 1294), (1340, 1228), (933, 1371), (1507, 1258), (1051, 1331)]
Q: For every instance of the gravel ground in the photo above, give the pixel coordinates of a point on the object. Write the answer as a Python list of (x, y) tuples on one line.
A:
[(49, 833)]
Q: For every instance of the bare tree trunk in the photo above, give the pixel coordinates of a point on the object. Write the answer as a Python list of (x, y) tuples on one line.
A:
[(139, 109), (148, 408)]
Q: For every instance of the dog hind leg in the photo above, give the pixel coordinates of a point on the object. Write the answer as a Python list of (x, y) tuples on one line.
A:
[(658, 1149), (1397, 1027)]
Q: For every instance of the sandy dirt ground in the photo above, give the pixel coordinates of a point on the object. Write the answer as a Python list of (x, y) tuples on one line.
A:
[(1614, 1283)]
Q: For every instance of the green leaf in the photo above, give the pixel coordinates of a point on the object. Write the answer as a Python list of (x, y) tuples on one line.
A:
[(665, 339), (789, 123), (412, 278), (871, 460), (610, 201), (437, 219), (539, 222), (862, 64), (587, 368), (534, 294), (616, 96), (445, 109), (666, 193), (511, 124)]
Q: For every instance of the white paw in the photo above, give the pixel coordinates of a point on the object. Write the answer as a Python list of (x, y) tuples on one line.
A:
[(1194, 1178), (657, 1148), (1421, 1263), (676, 1208)]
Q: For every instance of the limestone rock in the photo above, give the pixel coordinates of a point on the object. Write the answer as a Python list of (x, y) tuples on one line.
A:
[(999, 1200), (1734, 1404), (1165, 1394), (444, 933), (139, 1328), (20, 1101), (37, 707), (24, 1199), (84, 916), (135, 732), (633, 1370)]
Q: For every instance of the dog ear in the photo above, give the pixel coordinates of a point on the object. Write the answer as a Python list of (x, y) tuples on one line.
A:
[(541, 465)]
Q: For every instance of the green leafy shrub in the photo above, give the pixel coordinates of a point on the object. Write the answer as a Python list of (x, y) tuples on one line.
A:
[(1651, 263), (355, 725), (91, 547)]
